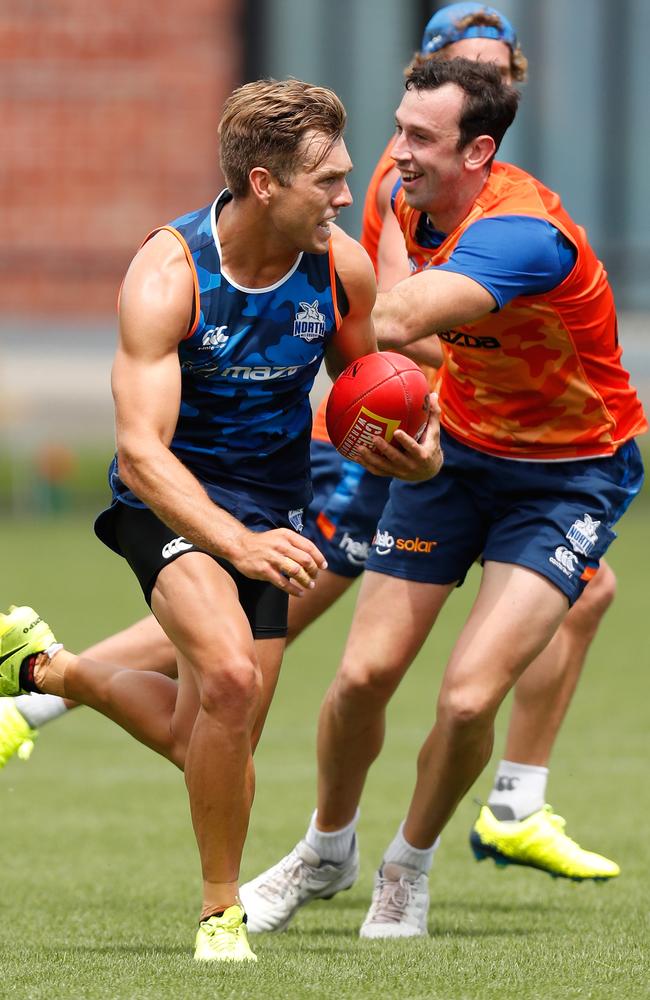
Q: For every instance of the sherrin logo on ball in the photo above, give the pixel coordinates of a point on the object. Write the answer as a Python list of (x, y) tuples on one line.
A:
[(373, 397)]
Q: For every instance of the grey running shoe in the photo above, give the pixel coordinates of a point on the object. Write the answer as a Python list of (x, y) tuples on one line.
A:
[(400, 903), (272, 899)]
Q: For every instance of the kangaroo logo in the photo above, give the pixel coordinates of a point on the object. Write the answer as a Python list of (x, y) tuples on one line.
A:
[(309, 323), (296, 519), (583, 534)]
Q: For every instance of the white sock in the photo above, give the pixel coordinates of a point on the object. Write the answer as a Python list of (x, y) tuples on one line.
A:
[(400, 852), (37, 709), (335, 846), (518, 791)]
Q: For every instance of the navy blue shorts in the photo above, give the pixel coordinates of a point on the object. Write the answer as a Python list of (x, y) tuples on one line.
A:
[(148, 545), (556, 518), (342, 518)]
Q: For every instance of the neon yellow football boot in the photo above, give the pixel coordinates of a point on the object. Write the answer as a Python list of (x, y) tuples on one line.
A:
[(16, 736), (224, 938), (539, 841), (22, 634)]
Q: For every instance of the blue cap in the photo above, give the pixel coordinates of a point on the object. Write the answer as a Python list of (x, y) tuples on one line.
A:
[(443, 30)]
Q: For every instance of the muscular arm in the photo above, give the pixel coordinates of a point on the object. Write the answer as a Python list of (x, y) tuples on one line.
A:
[(426, 303), (495, 260), (355, 337), (155, 311)]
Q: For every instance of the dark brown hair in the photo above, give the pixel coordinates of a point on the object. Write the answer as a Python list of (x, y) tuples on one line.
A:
[(490, 105)]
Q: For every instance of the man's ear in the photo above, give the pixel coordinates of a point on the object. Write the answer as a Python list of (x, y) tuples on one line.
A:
[(262, 183), (479, 152)]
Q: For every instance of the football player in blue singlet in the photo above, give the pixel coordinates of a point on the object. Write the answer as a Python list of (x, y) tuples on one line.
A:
[(225, 317)]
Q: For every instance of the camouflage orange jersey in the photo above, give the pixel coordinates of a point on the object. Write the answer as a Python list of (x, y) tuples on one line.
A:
[(541, 378)]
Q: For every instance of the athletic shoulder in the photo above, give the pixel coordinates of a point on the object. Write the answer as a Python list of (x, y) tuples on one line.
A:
[(158, 289)]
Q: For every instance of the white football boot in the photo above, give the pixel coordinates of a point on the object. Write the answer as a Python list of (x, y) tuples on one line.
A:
[(400, 904), (273, 898)]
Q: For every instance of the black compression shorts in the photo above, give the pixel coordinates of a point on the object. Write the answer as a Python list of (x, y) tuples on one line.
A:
[(148, 545)]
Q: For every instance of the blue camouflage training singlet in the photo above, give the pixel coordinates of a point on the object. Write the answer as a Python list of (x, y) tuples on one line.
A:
[(247, 366)]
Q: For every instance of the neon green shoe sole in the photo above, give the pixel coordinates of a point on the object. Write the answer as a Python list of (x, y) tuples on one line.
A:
[(539, 841), (16, 737), (224, 938), (22, 633)]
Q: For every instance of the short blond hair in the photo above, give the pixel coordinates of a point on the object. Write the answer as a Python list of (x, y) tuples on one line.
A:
[(264, 124)]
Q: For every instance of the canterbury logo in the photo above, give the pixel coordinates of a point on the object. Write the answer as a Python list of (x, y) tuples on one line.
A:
[(506, 784), (176, 545), (215, 337), (565, 560)]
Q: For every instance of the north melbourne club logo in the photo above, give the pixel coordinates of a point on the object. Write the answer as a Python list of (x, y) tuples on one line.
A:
[(296, 519), (309, 323), (583, 535)]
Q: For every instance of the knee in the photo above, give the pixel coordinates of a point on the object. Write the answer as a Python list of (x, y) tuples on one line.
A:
[(467, 706), (359, 685), (233, 691), (595, 599), (602, 589)]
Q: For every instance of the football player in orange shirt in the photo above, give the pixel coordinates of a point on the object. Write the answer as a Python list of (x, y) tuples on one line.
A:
[(538, 421), (348, 501)]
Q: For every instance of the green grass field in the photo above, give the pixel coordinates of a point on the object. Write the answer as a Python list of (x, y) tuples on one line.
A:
[(100, 879)]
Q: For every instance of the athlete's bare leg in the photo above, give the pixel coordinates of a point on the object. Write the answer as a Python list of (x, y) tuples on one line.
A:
[(313, 603), (147, 704), (220, 674), (543, 693), (217, 645), (513, 618), (352, 717), (141, 646)]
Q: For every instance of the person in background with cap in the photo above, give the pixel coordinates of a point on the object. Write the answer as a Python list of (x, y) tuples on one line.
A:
[(348, 502)]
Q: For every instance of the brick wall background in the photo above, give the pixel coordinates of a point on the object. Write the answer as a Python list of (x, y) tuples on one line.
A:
[(108, 115)]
